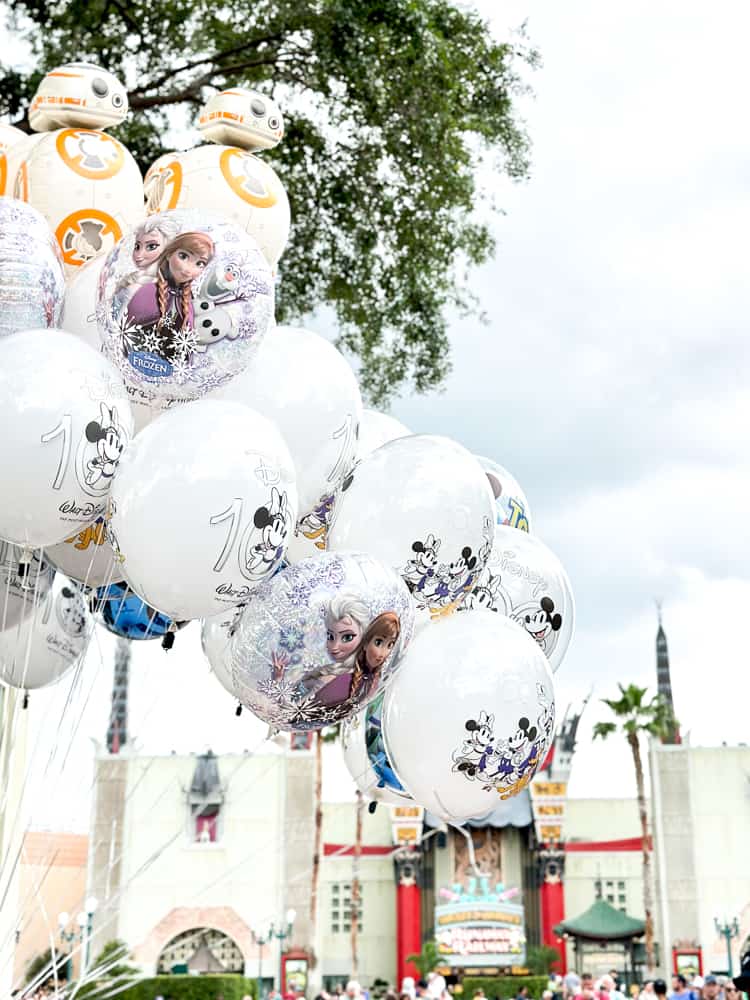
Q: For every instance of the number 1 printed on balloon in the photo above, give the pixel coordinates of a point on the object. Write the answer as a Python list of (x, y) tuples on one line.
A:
[(233, 514), (347, 431), (63, 430)]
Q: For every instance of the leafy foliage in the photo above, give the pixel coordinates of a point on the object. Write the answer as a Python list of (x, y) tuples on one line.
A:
[(205, 987), (427, 959), (504, 987), (636, 714), (540, 959), (108, 972), (391, 106)]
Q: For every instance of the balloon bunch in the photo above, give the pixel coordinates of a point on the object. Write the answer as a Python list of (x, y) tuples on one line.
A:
[(185, 458)]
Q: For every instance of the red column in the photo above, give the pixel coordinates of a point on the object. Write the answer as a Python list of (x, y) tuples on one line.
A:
[(552, 902), (408, 915)]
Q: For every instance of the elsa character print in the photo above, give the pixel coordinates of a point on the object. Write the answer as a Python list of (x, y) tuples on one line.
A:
[(363, 674), (150, 239), (166, 305)]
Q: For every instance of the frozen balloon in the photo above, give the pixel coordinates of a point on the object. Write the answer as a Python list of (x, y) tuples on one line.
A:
[(318, 641), (123, 613), (32, 284), (524, 580), (183, 302), (491, 714), (422, 505), (366, 758)]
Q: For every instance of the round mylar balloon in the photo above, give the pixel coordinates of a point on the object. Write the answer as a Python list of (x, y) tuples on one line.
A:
[(376, 429), (31, 276), (66, 421), (317, 642), (510, 500), (79, 311), (18, 595), (422, 505), (123, 613), (87, 186), (183, 303), (47, 642), (317, 414), (232, 182), (87, 556), (524, 580), (366, 759), (491, 714), (202, 507), (216, 633)]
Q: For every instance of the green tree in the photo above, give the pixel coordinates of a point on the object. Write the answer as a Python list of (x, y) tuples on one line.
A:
[(391, 106), (108, 972), (427, 959), (540, 958), (636, 717)]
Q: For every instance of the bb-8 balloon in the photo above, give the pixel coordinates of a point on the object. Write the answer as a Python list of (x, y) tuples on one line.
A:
[(78, 95), (9, 136), (87, 186), (244, 118), (229, 182), (15, 156)]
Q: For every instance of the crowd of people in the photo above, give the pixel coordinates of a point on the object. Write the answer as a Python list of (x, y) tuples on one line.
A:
[(607, 987)]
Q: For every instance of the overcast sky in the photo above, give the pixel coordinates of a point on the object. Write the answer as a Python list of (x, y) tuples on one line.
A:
[(611, 380)]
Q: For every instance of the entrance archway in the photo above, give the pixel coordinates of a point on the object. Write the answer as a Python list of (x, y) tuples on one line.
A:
[(201, 949)]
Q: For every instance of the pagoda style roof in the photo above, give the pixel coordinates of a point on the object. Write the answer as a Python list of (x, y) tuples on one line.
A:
[(602, 922)]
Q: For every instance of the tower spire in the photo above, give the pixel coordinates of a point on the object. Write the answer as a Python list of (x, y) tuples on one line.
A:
[(663, 680), (117, 730)]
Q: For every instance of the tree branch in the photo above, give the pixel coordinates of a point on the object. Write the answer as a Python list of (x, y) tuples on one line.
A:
[(192, 91)]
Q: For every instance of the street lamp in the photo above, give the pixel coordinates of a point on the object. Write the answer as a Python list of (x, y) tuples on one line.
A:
[(728, 931), (263, 933), (83, 934)]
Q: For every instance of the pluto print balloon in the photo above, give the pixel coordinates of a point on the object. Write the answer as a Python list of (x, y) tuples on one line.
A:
[(319, 640)]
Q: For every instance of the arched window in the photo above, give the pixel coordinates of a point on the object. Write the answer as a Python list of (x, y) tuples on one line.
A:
[(201, 949)]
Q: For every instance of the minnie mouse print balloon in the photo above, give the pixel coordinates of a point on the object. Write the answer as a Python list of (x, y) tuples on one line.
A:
[(422, 505), (66, 421), (18, 594), (491, 714), (32, 284), (47, 643), (87, 556), (524, 580), (202, 508), (183, 302), (366, 758), (319, 640), (510, 500)]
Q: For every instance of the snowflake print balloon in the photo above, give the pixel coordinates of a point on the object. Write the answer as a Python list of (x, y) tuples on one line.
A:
[(320, 640), (182, 303)]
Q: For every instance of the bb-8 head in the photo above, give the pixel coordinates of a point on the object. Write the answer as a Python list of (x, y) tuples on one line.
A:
[(243, 118), (78, 95)]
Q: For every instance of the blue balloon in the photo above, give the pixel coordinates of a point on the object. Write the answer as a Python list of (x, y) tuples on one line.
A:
[(123, 613), (379, 761)]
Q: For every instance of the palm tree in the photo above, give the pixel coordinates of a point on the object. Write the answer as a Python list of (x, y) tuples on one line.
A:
[(638, 717)]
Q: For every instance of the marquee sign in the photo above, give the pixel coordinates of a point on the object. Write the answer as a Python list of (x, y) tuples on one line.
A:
[(481, 931), (548, 805), (406, 825)]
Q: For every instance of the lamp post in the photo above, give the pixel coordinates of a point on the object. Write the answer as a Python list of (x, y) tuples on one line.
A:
[(83, 934), (728, 931), (263, 933)]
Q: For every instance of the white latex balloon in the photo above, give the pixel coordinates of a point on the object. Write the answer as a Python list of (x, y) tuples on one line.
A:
[(87, 186), (524, 580), (17, 595), (215, 635), (79, 311), (202, 507), (66, 420), (510, 500), (15, 155), (422, 505), (365, 757), (301, 382), (487, 691), (87, 556), (376, 429), (47, 643)]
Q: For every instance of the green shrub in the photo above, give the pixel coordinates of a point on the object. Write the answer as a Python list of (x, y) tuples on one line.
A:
[(505, 987), (208, 987)]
